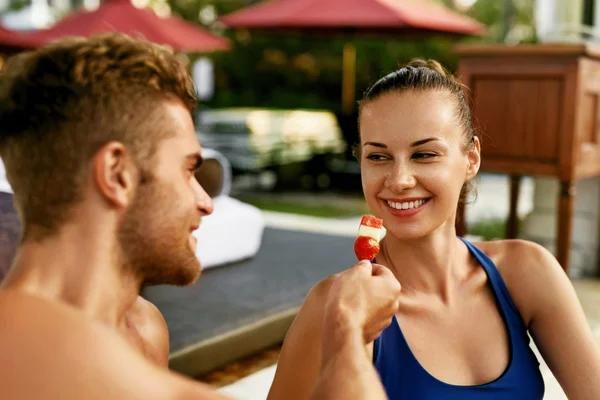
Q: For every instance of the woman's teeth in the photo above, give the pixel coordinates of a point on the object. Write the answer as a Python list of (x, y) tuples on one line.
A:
[(407, 205)]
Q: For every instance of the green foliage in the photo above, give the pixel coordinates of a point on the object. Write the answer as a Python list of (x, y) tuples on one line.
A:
[(190, 9), (283, 71), (488, 229), (276, 71), (15, 5)]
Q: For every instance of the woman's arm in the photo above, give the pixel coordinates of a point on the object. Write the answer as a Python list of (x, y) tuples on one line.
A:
[(299, 362), (556, 321), (347, 371)]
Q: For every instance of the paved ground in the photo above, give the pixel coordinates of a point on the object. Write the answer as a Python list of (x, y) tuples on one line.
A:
[(278, 278)]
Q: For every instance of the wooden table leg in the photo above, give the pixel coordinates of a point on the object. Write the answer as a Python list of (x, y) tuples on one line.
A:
[(566, 209), (461, 223), (512, 226)]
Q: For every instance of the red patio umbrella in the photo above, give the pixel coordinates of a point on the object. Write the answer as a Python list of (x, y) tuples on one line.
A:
[(11, 41), (390, 17), (122, 16)]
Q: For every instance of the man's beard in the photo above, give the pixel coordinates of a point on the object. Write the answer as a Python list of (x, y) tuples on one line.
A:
[(154, 238)]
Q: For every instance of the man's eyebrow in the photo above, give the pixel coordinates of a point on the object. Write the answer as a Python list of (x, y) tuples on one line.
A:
[(197, 159)]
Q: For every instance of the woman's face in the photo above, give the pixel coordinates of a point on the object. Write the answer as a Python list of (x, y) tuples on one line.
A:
[(414, 160)]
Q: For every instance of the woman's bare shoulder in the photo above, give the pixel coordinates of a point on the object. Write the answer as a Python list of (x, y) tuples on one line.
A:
[(525, 266), (510, 255)]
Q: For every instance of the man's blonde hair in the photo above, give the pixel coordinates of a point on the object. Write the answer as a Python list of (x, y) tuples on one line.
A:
[(61, 103)]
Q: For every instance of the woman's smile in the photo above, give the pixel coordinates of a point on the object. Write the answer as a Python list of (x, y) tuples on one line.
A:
[(406, 207)]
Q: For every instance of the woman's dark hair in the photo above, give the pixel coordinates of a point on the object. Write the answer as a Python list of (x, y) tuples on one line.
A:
[(426, 75)]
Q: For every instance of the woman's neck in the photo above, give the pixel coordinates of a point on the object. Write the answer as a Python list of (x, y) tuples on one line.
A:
[(428, 265)]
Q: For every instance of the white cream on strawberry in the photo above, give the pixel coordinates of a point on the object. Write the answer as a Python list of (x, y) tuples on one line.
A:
[(369, 231)]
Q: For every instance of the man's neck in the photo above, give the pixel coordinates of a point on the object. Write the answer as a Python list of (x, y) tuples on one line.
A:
[(79, 266)]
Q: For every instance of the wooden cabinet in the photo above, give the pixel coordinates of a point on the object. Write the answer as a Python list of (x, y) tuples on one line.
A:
[(537, 110)]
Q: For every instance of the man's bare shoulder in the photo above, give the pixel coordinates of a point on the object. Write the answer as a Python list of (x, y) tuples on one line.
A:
[(150, 325), (52, 351), (147, 314), (22, 310)]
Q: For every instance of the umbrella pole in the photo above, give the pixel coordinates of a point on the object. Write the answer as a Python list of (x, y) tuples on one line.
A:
[(348, 78)]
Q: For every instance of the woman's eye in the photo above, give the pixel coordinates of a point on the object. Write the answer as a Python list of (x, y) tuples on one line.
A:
[(376, 157), (423, 156)]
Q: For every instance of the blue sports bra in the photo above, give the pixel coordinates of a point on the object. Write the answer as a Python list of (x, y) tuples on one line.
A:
[(404, 378)]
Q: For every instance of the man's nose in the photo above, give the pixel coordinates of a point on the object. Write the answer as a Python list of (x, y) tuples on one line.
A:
[(204, 202)]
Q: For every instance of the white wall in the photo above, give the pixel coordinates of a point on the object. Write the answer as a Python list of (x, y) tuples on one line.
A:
[(559, 20), (4, 4)]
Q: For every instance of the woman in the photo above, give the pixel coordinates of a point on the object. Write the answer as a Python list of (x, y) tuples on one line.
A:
[(461, 330)]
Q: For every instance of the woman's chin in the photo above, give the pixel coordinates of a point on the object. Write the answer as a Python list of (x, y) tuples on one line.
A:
[(411, 232), (407, 233)]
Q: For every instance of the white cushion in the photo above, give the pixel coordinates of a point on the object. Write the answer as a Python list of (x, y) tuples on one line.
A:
[(233, 232), (4, 185)]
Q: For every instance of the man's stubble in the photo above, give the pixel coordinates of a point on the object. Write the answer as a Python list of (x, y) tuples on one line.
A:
[(154, 237)]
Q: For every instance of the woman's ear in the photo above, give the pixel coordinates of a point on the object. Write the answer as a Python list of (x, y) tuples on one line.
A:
[(473, 158)]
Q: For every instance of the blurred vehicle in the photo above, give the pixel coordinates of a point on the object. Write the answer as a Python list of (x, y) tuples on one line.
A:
[(293, 144)]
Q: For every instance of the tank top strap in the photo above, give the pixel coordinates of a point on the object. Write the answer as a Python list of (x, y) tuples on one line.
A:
[(495, 279)]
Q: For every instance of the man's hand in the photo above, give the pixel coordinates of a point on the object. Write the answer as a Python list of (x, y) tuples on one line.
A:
[(360, 304), (364, 297)]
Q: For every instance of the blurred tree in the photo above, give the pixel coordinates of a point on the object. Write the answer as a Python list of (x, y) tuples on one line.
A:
[(14, 5), (278, 71), (509, 21), (198, 10)]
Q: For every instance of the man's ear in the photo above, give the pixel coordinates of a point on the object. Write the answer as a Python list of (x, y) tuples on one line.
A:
[(474, 159), (115, 174)]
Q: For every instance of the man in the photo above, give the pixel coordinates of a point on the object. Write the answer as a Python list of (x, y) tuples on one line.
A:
[(142, 324), (99, 146)]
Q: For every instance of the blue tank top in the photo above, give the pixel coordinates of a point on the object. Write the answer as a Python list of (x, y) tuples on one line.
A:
[(405, 379)]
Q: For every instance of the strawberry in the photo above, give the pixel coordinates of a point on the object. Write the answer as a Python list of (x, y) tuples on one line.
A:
[(366, 248), (372, 222)]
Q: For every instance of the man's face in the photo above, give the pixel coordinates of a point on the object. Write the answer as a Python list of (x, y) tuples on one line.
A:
[(156, 231)]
